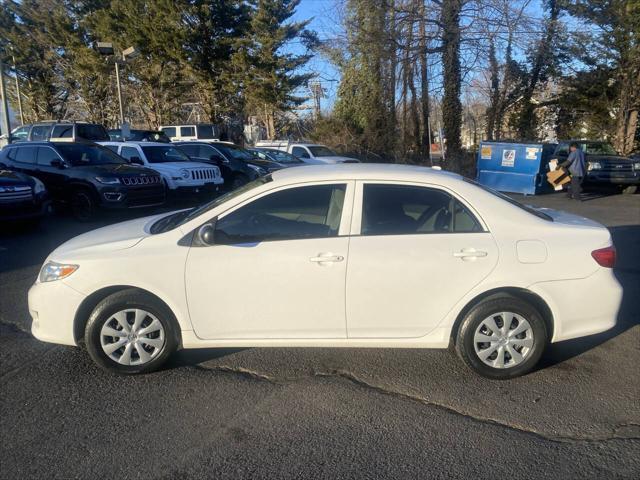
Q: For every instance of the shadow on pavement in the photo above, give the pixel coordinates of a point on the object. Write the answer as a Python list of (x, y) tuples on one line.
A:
[(627, 242), (191, 357)]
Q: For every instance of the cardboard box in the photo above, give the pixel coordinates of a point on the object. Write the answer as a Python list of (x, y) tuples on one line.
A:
[(557, 178)]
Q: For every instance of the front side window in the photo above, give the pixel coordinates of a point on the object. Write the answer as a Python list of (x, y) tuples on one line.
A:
[(300, 152), (191, 150), (129, 153), (291, 214), (187, 132), (407, 209), (157, 154), (40, 132), (320, 151), (46, 155), (231, 151)]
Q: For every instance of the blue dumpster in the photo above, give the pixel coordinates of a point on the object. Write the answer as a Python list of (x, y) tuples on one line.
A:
[(515, 167)]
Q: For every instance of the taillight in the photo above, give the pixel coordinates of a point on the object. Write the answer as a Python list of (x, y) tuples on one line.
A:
[(606, 257)]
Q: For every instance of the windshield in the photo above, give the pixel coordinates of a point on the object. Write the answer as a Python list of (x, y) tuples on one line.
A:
[(79, 154), (279, 156), (526, 208), (162, 154), (234, 152), (320, 151), (598, 149), (148, 136), (176, 219)]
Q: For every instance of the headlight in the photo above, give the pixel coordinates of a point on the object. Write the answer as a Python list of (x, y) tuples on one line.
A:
[(38, 186), (55, 271), (108, 180), (636, 166), (257, 169), (594, 166), (185, 173)]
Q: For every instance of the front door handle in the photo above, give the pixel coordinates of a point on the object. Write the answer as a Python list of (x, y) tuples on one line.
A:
[(470, 254), (326, 258)]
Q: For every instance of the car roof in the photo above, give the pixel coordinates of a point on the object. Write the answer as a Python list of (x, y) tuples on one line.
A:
[(132, 143), (363, 171), (53, 143)]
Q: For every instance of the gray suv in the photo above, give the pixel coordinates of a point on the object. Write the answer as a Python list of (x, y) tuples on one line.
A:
[(60, 131)]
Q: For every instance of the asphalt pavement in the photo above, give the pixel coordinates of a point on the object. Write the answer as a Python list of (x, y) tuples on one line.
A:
[(320, 413)]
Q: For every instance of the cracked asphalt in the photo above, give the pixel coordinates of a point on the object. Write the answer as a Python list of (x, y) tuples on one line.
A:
[(319, 413)]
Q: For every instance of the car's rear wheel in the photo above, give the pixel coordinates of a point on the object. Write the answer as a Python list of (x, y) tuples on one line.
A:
[(131, 332), (502, 337), (83, 205)]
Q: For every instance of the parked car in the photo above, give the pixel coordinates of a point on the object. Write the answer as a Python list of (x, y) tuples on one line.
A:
[(60, 131), (22, 198), (86, 175), (308, 152), (274, 155), (180, 174), (604, 165), (238, 166), (334, 256), (139, 136), (204, 132)]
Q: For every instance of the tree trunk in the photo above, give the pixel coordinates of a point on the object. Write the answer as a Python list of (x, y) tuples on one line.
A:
[(451, 106), (425, 141), (494, 99)]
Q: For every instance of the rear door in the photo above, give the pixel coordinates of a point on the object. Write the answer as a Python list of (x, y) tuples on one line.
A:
[(415, 251)]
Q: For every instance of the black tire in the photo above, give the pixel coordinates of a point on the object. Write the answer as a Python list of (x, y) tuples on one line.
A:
[(464, 341), (125, 300), (83, 205)]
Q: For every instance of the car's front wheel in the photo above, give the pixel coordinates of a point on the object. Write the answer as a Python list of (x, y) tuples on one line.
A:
[(502, 337), (131, 332)]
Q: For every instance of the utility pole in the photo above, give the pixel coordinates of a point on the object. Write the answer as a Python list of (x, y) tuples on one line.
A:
[(5, 103), (119, 92), (317, 92), (15, 71)]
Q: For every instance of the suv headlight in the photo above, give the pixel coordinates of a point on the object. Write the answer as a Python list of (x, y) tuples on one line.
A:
[(51, 271), (185, 173), (257, 169), (594, 166), (108, 180), (636, 166), (38, 186)]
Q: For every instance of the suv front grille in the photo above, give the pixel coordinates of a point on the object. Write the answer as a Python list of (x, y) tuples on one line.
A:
[(15, 194), (150, 180), (205, 174), (616, 167)]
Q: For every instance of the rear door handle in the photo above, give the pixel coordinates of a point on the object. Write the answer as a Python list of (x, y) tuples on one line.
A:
[(469, 253), (327, 258)]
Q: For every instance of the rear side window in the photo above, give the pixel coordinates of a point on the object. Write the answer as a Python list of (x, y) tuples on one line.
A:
[(62, 131), (187, 132), (40, 132), (294, 213), (96, 133), (170, 131), (129, 153), (46, 155), (26, 155), (407, 210)]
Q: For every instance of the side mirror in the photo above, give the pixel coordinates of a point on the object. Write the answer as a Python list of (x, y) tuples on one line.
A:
[(57, 163), (136, 160), (205, 235)]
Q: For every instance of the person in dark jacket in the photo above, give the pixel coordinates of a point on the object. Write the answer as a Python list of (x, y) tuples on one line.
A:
[(576, 165)]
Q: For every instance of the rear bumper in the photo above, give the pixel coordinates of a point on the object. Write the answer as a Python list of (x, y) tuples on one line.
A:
[(583, 306), (53, 306)]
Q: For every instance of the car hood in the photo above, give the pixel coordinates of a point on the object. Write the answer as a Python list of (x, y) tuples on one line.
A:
[(608, 158), (107, 239), (335, 159), (9, 178), (177, 166), (115, 169), (266, 164)]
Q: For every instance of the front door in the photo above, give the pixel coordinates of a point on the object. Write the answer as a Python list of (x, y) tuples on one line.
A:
[(277, 269), (418, 251)]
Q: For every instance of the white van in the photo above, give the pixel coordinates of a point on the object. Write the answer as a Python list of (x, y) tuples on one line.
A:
[(311, 153), (202, 132)]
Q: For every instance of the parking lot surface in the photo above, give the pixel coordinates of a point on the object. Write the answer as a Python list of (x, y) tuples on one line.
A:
[(320, 413)]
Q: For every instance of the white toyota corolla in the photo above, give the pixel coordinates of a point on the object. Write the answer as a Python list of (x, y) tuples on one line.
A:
[(334, 256)]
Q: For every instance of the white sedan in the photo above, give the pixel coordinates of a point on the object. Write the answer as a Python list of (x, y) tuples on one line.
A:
[(335, 256)]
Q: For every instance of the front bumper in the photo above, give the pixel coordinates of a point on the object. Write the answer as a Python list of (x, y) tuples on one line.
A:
[(119, 197), (24, 210), (53, 306), (197, 189), (595, 177)]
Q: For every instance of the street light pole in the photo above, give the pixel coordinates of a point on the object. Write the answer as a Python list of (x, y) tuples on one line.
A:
[(119, 93), (5, 103), (15, 71)]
